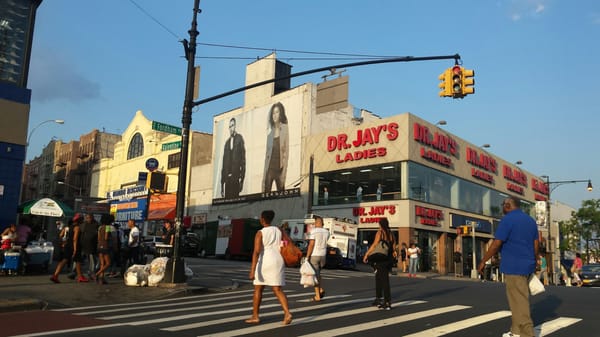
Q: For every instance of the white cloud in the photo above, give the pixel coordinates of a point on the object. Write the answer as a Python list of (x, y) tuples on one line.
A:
[(540, 8), (520, 9), (51, 77)]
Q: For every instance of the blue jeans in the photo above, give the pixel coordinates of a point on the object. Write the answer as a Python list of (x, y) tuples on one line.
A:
[(412, 266)]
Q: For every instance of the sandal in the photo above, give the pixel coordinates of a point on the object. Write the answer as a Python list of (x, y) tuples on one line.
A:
[(314, 299), (322, 294), (287, 319), (252, 320)]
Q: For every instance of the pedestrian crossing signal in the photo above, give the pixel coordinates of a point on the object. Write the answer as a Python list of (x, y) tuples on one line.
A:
[(157, 182)]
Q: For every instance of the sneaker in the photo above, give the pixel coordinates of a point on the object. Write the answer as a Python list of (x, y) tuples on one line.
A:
[(376, 302), (54, 279), (82, 279), (510, 334), (385, 306)]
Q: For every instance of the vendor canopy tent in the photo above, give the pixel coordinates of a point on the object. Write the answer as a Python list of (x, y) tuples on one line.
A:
[(46, 207)]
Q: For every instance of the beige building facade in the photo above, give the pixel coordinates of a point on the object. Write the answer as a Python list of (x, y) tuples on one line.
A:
[(426, 181)]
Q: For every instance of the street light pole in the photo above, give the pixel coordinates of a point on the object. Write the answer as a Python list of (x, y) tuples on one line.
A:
[(556, 262), (57, 121)]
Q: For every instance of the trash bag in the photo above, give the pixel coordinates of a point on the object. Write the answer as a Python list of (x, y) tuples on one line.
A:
[(157, 271), (308, 275), (137, 275)]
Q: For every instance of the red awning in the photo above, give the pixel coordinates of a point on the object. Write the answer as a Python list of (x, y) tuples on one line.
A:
[(162, 214)]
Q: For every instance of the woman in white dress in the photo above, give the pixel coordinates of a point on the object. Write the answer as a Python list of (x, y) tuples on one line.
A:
[(268, 268)]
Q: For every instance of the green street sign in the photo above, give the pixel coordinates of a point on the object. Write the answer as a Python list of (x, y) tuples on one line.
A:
[(162, 127), (171, 146)]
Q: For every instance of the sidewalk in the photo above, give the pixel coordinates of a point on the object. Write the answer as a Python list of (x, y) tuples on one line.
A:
[(37, 292)]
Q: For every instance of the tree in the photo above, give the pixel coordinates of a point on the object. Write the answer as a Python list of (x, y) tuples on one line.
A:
[(580, 233)]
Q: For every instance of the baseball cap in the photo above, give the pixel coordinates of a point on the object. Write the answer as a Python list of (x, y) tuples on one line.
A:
[(77, 217)]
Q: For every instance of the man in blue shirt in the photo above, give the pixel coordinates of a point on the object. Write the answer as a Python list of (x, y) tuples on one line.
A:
[(516, 239)]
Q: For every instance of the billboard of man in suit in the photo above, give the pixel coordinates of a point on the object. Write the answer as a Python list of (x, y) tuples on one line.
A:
[(234, 164)]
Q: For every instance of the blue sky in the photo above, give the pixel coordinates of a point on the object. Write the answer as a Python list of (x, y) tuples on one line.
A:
[(95, 63)]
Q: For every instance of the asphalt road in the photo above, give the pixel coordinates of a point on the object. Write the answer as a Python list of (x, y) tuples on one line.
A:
[(422, 307)]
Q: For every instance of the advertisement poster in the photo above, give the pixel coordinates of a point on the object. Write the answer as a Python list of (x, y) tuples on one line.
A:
[(257, 153)]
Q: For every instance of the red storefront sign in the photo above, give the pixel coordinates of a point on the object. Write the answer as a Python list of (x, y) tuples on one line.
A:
[(364, 143), (373, 214), (438, 145), (428, 216)]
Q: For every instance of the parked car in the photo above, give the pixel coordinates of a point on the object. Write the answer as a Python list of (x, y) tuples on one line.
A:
[(334, 258), (590, 274), (191, 244)]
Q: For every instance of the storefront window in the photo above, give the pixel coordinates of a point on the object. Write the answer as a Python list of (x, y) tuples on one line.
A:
[(435, 187), (360, 184)]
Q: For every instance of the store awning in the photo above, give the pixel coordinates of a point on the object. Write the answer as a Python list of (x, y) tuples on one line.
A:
[(162, 214)]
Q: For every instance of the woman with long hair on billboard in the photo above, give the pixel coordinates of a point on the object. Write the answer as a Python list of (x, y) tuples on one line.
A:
[(276, 158)]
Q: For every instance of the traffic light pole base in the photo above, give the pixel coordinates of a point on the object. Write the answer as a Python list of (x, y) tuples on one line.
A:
[(175, 271)]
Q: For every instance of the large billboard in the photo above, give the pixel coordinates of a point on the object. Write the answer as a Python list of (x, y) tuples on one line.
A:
[(258, 153)]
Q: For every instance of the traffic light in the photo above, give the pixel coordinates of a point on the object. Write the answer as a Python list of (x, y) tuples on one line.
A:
[(446, 83), (467, 82), (457, 82), (465, 230), (157, 182)]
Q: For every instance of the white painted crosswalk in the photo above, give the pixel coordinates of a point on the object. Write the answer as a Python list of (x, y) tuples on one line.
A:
[(223, 314)]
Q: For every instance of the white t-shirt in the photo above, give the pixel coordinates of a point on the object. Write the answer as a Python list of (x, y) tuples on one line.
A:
[(320, 235), (413, 253), (134, 232)]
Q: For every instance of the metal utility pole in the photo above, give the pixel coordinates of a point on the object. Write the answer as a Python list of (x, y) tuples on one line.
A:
[(175, 267), (474, 273)]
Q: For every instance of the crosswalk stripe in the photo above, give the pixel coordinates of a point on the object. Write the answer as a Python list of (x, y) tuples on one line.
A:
[(169, 311), (162, 305), (264, 314), (462, 324), (65, 331), (547, 328), (148, 302), (304, 320)]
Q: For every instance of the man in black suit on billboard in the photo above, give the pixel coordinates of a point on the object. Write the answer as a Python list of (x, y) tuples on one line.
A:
[(234, 164)]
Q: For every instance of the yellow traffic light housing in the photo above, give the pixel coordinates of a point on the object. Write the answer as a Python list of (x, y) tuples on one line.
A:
[(467, 81), (457, 81), (446, 83), (465, 230)]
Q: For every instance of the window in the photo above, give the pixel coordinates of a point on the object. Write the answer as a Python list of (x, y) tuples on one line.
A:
[(174, 160), (136, 147), (342, 186)]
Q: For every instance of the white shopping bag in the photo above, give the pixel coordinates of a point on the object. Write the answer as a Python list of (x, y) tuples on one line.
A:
[(308, 275), (535, 285)]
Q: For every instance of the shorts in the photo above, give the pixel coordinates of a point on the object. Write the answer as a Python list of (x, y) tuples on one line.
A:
[(77, 257), (317, 262), (65, 253)]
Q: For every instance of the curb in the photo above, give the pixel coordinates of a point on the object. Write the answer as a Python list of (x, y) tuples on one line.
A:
[(22, 304)]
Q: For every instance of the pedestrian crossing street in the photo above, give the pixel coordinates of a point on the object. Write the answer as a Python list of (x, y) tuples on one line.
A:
[(222, 314)]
